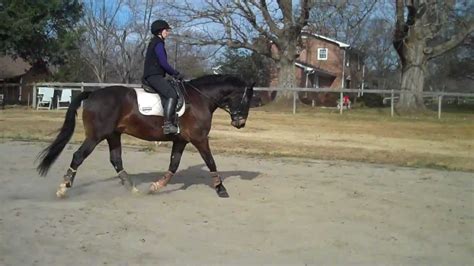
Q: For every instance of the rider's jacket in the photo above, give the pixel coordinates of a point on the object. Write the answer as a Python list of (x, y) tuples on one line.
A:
[(156, 59)]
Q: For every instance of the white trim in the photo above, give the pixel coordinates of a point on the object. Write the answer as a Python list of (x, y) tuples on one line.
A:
[(341, 44), (319, 54), (306, 68)]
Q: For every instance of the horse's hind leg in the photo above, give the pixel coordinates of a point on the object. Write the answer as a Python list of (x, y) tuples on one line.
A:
[(79, 156), (115, 148), (176, 153), (205, 151)]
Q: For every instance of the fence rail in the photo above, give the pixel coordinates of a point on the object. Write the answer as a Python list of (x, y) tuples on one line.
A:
[(393, 93), (439, 94)]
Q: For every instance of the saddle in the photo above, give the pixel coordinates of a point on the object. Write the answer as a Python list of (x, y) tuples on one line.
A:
[(176, 85), (150, 103)]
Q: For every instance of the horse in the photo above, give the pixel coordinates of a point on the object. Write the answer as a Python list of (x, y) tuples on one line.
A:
[(112, 111)]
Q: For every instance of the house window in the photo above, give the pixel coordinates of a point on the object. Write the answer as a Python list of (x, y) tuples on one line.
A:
[(322, 53)]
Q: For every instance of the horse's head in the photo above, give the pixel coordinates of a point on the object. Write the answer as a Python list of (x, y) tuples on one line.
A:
[(227, 92), (239, 105)]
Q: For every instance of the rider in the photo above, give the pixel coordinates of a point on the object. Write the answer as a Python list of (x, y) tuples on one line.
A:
[(155, 69)]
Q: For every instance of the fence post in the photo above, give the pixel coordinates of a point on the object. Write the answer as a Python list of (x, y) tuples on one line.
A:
[(294, 102), (34, 97), (82, 90), (440, 100), (392, 103), (340, 102)]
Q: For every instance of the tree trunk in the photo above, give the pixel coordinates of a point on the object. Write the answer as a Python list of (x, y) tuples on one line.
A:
[(286, 79), (413, 81), (413, 76), (410, 44), (425, 20)]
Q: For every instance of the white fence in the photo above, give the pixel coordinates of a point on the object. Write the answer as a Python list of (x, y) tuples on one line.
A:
[(393, 93)]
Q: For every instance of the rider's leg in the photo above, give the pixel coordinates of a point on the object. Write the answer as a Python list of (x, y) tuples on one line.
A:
[(169, 111), (162, 86)]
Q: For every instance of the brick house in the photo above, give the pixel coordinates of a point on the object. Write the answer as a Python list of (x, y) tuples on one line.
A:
[(322, 64)]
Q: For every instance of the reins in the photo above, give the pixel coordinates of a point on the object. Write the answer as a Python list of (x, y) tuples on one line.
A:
[(208, 97)]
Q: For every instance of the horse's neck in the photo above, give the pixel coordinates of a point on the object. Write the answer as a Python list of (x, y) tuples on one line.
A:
[(213, 92)]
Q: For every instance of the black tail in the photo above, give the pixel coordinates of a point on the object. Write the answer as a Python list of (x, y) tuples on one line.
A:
[(49, 155)]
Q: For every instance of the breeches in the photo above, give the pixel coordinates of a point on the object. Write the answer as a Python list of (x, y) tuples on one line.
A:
[(162, 86)]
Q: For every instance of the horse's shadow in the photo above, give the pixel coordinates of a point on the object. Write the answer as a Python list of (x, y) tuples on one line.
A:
[(193, 175)]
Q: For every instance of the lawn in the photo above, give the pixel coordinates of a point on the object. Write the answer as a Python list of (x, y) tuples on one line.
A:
[(366, 135)]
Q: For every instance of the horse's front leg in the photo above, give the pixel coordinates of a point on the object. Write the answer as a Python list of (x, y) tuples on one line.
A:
[(205, 151), (176, 153)]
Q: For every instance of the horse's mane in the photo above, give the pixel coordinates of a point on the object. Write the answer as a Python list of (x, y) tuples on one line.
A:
[(217, 80)]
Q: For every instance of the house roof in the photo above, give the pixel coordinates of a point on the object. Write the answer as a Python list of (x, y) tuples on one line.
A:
[(311, 68), (340, 44), (10, 67)]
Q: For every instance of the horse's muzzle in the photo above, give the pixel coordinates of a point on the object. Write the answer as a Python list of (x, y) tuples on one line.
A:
[(239, 123)]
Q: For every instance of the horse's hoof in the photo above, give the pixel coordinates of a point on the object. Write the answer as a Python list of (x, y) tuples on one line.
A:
[(154, 187), (61, 193), (221, 191), (135, 191), (123, 176)]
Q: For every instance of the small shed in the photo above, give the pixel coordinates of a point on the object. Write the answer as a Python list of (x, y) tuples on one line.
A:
[(15, 75)]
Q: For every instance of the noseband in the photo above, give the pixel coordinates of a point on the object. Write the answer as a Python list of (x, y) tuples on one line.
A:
[(238, 113)]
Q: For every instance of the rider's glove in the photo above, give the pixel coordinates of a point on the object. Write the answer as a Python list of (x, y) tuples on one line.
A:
[(178, 76)]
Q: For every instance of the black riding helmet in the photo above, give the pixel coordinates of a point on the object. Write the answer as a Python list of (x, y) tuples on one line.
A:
[(158, 25)]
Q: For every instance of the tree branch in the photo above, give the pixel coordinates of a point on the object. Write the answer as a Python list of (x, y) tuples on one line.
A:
[(250, 16), (268, 18), (286, 7), (304, 14), (453, 42), (400, 33)]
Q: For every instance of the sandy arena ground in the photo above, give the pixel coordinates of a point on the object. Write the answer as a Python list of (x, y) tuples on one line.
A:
[(281, 211)]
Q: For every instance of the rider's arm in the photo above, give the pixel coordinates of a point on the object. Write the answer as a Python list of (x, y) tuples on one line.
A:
[(161, 54)]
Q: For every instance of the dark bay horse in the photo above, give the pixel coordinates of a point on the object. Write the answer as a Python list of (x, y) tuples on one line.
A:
[(110, 112)]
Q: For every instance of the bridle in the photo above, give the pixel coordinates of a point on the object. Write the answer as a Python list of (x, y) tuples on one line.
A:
[(236, 113)]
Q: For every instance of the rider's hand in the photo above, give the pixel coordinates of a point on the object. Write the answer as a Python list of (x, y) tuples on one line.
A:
[(178, 76)]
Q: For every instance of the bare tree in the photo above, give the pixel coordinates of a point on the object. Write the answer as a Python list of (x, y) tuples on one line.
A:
[(99, 23), (430, 29), (374, 38), (131, 38), (270, 28), (342, 20), (190, 60)]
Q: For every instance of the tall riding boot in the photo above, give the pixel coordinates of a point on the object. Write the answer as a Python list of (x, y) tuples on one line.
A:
[(170, 113)]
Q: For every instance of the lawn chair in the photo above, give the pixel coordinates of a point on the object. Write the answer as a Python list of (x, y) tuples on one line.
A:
[(45, 96), (2, 101), (65, 99)]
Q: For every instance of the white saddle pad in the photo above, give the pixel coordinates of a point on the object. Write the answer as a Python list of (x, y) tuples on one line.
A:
[(150, 103)]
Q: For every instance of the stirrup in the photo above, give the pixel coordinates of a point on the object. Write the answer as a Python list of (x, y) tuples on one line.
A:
[(170, 128)]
